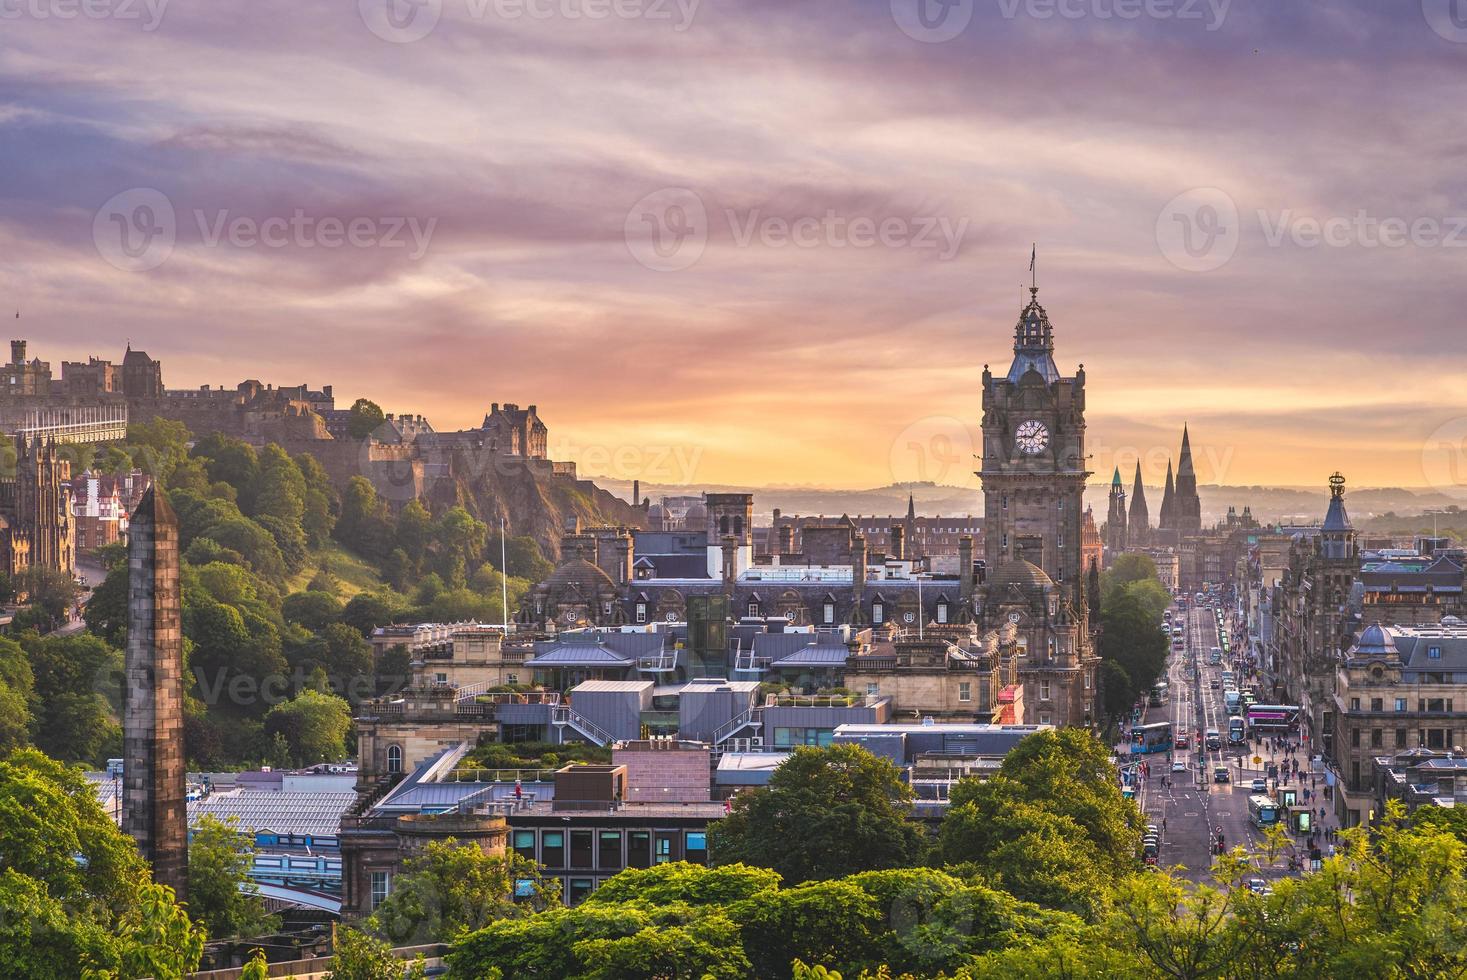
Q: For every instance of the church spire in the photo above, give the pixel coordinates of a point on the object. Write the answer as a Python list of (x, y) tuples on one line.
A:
[(1115, 521), (1184, 462), (1138, 520), (1167, 520)]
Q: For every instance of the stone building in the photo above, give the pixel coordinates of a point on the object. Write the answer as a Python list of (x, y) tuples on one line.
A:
[(1397, 688), (1033, 478), (37, 528), (153, 809)]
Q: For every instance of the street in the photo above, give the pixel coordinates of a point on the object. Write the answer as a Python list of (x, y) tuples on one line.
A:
[(1191, 806)]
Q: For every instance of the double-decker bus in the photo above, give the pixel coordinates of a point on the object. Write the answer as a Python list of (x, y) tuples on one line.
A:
[(1146, 739), (1159, 694), (1274, 719), (1263, 811), (1236, 732)]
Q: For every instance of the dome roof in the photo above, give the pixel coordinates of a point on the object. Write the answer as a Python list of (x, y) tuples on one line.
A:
[(697, 512), (1024, 574), (1376, 641), (582, 574)]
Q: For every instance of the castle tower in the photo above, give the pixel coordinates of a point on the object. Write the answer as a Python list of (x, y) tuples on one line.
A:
[(1138, 520), (1115, 521), (152, 720), (1188, 504)]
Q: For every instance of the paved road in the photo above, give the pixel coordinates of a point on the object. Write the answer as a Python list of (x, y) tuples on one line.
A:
[(1193, 806)]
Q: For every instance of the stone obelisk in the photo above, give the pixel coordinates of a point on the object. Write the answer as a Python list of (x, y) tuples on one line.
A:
[(153, 793)]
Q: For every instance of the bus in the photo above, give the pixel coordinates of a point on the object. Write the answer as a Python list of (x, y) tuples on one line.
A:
[(1263, 811), (1214, 656), (1230, 698), (1151, 738), (1158, 694), (1273, 719), (1236, 732)]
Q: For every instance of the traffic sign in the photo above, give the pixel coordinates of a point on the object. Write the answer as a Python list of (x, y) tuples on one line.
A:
[(1257, 760)]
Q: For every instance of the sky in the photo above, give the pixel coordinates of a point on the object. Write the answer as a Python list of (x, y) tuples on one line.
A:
[(767, 241)]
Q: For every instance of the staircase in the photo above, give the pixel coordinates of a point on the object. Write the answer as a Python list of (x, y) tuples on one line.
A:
[(563, 717)]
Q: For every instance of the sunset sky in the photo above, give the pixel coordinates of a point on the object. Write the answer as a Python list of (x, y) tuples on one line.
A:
[(533, 144)]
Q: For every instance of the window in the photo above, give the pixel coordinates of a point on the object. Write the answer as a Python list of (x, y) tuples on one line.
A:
[(697, 847), (641, 612), (1400, 738), (965, 691), (608, 850), (580, 849), (753, 609), (1400, 704), (524, 844), (1087, 680), (830, 612), (552, 848), (1044, 690), (665, 842), (878, 614), (1354, 704), (1435, 653), (1377, 739), (440, 678), (1355, 737), (394, 758), (794, 737), (942, 612), (1375, 704), (872, 689), (639, 849), (381, 886), (1044, 718), (578, 889)]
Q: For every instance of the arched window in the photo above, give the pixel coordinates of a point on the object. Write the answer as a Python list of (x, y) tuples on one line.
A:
[(723, 524), (738, 527), (394, 758)]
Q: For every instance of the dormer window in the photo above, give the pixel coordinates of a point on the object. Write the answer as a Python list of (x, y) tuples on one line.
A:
[(942, 612), (878, 613)]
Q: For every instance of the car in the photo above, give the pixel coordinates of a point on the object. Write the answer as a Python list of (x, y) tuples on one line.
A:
[(1259, 886), (1259, 786), (1152, 829), (1179, 766), (1182, 741), (1220, 775), (1215, 684)]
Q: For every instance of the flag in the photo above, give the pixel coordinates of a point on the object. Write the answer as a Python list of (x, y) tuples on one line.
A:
[(1033, 254)]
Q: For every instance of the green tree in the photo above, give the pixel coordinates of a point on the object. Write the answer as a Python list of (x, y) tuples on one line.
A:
[(51, 594), (72, 718), (358, 956), (281, 487), (232, 461), (826, 812), (319, 504), (221, 894), (1131, 637), (522, 555), (314, 726), (453, 888), (158, 447), (366, 611), (364, 525), (363, 419), (1049, 825), (75, 896), (313, 610)]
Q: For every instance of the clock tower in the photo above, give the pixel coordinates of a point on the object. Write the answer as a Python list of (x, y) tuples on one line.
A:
[(1034, 457), (1033, 479)]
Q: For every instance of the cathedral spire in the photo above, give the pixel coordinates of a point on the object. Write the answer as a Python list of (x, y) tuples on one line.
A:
[(1184, 462), (1167, 519), (1138, 520)]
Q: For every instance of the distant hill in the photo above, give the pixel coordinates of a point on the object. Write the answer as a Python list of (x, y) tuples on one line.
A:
[(1269, 504)]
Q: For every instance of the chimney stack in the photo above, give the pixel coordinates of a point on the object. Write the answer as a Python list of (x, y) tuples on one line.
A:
[(898, 542)]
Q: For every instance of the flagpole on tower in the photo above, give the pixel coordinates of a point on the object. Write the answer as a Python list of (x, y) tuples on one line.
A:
[(1033, 256)]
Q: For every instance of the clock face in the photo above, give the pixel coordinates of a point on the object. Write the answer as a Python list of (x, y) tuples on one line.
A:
[(1032, 437), (1014, 617), (908, 617)]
